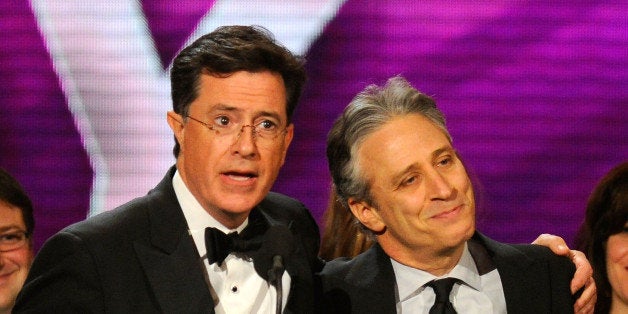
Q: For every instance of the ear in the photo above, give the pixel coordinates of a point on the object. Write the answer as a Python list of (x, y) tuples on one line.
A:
[(367, 215), (287, 140), (175, 121)]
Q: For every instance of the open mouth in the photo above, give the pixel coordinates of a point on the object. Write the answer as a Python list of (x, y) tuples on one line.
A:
[(240, 176)]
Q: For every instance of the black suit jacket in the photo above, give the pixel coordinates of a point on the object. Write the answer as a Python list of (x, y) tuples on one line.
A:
[(534, 280), (139, 258)]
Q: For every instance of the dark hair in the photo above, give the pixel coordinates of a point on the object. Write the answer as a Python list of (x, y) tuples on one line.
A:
[(12, 193), (229, 49), (606, 215)]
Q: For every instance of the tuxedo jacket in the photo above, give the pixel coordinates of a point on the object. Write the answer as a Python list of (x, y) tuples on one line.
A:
[(140, 258), (534, 280)]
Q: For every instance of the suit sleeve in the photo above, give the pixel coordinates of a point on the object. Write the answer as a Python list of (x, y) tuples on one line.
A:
[(62, 279), (550, 277), (561, 270)]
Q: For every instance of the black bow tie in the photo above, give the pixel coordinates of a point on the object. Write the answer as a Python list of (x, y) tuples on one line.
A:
[(219, 244)]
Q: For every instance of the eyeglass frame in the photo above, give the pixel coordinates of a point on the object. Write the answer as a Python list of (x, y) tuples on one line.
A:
[(252, 126), (16, 246)]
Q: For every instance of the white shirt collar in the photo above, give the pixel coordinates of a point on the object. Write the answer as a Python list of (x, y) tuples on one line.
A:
[(411, 281)]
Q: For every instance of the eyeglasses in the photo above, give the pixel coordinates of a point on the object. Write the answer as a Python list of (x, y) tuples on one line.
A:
[(264, 132), (13, 240)]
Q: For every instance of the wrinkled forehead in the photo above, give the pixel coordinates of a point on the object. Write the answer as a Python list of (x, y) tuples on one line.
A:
[(400, 142)]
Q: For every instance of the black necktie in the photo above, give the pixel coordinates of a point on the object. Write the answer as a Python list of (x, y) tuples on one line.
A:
[(219, 244), (442, 288)]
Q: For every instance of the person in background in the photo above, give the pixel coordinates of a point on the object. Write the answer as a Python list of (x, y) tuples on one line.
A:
[(603, 236), (342, 234), (393, 164), (233, 91), (16, 246)]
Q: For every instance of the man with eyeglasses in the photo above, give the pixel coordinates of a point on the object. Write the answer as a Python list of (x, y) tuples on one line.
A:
[(16, 249), (234, 91)]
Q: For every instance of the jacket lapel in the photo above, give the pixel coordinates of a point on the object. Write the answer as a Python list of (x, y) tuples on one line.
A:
[(175, 271), (170, 259), (524, 293)]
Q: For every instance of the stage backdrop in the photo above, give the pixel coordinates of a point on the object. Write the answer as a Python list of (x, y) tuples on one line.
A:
[(535, 94)]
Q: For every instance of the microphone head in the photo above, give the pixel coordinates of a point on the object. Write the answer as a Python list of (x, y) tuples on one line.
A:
[(276, 248)]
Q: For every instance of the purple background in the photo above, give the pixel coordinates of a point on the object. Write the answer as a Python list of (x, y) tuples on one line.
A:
[(535, 96)]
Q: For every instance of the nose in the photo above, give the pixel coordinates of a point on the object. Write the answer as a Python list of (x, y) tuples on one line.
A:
[(244, 143), (439, 186)]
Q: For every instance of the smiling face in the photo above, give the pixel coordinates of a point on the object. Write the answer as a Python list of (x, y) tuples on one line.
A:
[(14, 264), (231, 174), (617, 267), (423, 198)]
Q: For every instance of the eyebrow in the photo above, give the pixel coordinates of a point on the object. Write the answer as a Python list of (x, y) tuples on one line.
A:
[(395, 178), (262, 113), (444, 149), (13, 227)]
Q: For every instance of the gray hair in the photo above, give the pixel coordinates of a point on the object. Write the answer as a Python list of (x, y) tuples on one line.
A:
[(365, 114)]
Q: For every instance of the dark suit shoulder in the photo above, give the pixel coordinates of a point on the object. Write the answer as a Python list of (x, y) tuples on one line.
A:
[(122, 217), (118, 261), (539, 252), (534, 279), (136, 220), (364, 284), (352, 269), (284, 210), (282, 207), (529, 251), (287, 211), (157, 212)]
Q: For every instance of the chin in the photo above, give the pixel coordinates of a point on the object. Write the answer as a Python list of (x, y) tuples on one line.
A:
[(462, 235), (238, 208), (241, 205)]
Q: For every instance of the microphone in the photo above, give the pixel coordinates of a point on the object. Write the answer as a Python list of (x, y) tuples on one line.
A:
[(275, 272), (274, 275), (276, 248)]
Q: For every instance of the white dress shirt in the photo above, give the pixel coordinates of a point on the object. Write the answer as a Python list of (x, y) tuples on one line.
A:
[(475, 294), (235, 285)]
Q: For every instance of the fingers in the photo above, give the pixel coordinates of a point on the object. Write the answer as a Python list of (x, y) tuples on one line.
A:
[(584, 271), (555, 243), (586, 303)]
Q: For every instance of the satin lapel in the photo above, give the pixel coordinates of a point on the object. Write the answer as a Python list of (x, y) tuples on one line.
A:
[(524, 292), (170, 259)]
